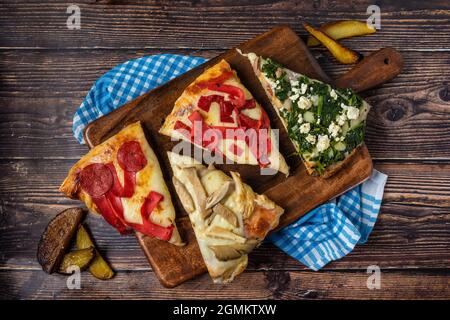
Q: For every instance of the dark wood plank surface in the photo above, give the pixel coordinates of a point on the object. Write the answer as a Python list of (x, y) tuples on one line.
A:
[(297, 193), (211, 24), (270, 284), (46, 70), (38, 83)]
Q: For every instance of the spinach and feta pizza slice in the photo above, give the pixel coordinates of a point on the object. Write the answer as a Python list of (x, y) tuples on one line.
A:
[(326, 125), (228, 218)]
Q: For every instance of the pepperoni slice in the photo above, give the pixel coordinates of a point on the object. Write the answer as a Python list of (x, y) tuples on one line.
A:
[(130, 156), (96, 179)]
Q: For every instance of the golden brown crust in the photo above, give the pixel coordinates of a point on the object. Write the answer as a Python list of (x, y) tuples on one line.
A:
[(148, 179), (261, 221), (187, 103), (263, 216), (102, 153)]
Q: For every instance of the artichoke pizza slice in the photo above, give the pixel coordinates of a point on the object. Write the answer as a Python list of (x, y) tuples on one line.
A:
[(217, 113), (121, 179), (326, 125), (228, 218)]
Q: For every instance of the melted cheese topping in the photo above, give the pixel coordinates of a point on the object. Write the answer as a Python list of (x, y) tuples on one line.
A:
[(187, 103), (148, 179), (213, 180)]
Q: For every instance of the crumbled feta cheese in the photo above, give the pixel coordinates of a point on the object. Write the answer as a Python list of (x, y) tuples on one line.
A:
[(315, 100), (303, 88), (272, 83), (304, 103), (304, 128), (333, 129), (323, 142), (311, 139), (295, 83), (300, 118), (294, 97), (340, 119), (333, 94), (352, 113)]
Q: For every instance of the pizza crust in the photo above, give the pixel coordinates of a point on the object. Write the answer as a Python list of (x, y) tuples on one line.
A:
[(187, 103), (277, 104), (225, 245), (150, 178)]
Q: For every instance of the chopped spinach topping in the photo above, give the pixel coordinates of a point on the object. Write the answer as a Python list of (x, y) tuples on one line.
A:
[(322, 109), (318, 88), (349, 98), (355, 137), (283, 88), (270, 68), (319, 108), (329, 110), (303, 79), (283, 85)]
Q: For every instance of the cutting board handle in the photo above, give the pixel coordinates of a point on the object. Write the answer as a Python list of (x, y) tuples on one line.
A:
[(373, 70)]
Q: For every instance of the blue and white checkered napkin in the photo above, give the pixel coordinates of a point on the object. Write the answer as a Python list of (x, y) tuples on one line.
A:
[(327, 233), (332, 230), (127, 81)]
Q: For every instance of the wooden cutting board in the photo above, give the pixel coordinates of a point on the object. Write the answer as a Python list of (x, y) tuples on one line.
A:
[(297, 194)]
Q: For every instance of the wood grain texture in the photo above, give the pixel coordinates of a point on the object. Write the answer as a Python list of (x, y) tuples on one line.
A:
[(406, 237), (46, 70), (411, 232), (250, 285), (171, 265), (212, 24), (297, 194), (69, 74), (36, 106), (375, 69)]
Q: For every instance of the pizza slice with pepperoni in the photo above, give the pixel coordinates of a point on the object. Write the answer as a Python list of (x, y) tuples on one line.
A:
[(217, 113), (121, 179)]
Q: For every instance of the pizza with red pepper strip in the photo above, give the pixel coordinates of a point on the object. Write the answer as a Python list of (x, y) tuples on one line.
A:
[(121, 179), (217, 113)]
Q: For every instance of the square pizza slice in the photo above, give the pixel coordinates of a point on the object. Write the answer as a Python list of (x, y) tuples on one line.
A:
[(326, 125), (217, 113), (121, 179), (228, 217)]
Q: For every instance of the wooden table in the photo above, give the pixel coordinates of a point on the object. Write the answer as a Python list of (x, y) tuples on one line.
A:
[(46, 70)]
